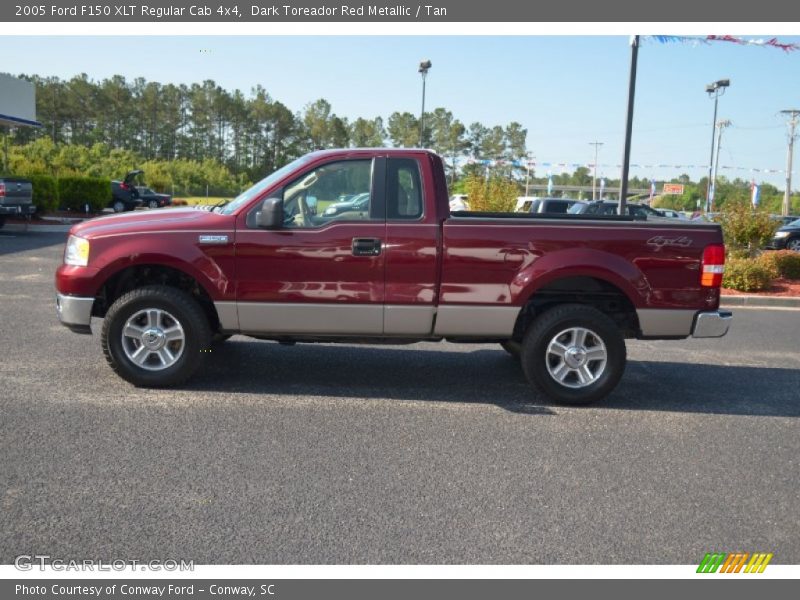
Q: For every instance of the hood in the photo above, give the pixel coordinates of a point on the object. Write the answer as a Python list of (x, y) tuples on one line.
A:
[(167, 219)]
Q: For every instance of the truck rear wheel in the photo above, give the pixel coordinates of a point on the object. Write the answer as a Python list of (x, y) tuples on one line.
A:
[(155, 336), (574, 353)]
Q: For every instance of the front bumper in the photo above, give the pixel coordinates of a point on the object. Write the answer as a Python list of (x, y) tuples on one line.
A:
[(74, 312), (712, 324)]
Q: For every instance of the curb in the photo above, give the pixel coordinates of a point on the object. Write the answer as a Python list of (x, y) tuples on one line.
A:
[(763, 301), (35, 228)]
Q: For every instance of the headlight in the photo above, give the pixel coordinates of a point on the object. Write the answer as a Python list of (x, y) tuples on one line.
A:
[(77, 252), (779, 235), (330, 211)]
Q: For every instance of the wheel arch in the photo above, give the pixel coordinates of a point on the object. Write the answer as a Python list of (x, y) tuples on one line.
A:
[(573, 287), (133, 276)]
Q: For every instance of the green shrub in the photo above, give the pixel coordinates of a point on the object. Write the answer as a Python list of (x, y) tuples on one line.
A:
[(497, 194), (45, 192), (782, 263), (747, 275), (75, 192), (746, 229)]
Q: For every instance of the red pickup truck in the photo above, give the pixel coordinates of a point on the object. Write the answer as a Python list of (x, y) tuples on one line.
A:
[(561, 292)]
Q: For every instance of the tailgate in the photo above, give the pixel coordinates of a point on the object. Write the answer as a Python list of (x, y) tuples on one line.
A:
[(15, 191)]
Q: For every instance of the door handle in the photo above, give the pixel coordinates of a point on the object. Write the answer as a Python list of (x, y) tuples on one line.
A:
[(366, 247)]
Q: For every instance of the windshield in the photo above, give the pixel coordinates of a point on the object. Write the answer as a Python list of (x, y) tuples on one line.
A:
[(263, 185), (795, 223), (577, 208)]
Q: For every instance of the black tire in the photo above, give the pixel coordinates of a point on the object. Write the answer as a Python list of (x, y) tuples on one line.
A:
[(152, 204), (512, 347), (118, 206), (536, 360), (793, 244), (185, 310)]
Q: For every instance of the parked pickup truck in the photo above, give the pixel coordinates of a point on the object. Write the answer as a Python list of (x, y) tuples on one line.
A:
[(16, 198), (561, 292)]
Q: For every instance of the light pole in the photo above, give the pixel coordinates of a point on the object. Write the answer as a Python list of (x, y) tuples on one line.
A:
[(529, 158), (721, 125), (793, 114), (626, 152), (713, 90), (594, 174), (423, 70)]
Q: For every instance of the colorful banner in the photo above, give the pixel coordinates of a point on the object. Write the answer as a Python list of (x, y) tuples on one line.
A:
[(756, 192), (521, 164), (732, 39)]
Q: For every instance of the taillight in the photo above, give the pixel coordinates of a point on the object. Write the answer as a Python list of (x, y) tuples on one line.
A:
[(123, 186), (2, 189), (713, 266)]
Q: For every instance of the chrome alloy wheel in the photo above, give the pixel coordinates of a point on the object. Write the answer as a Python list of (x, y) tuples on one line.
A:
[(576, 357), (153, 339)]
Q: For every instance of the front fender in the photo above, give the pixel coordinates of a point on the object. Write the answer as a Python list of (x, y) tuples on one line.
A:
[(212, 267)]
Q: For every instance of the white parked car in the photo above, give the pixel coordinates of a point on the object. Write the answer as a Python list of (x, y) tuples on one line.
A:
[(459, 202)]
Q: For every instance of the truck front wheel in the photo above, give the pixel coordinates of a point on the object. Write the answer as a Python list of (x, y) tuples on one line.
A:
[(574, 353), (155, 336)]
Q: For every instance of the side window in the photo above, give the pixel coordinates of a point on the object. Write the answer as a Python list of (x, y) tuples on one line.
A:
[(337, 191), (403, 189), (636, 211)]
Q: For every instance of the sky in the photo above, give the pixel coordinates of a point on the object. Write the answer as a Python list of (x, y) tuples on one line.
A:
[(567, 91)]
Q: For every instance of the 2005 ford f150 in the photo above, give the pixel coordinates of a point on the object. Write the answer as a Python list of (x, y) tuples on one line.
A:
[(561, 292)]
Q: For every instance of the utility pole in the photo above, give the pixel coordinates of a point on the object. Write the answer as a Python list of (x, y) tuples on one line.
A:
[(793, 113), (626, 152), (596, 145), (720, 126)]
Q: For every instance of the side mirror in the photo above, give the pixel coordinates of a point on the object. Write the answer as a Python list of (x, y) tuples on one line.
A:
[(271, 214)]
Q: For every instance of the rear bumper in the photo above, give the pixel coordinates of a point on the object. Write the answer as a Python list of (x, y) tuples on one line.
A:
[(657, 323), (17, 209), (712, 324), (74, 312)]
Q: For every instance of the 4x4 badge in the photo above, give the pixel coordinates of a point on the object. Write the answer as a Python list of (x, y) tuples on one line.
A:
[(660, 241)]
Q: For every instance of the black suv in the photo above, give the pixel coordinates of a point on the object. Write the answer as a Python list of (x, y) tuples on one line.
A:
[(124, 195), (606, 207)]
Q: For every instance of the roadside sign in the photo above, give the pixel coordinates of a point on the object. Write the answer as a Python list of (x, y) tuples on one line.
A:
[(672, 189)]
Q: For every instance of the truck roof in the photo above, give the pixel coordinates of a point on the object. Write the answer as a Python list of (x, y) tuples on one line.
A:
[(370, 151)]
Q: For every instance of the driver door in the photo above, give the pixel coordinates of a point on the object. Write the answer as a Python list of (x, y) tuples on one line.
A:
[(321, 273)]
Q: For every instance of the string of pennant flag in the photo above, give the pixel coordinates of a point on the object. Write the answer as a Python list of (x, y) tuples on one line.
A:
[(697, 40), (523, 164)]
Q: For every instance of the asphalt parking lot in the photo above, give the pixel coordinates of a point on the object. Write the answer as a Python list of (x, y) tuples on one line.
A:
[(432, 453)]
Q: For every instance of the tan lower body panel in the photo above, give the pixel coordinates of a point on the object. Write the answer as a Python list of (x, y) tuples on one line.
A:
[(476, 321), (308, 318), (367, 319)]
